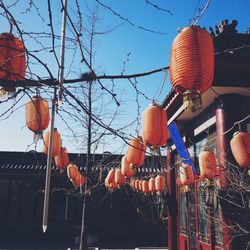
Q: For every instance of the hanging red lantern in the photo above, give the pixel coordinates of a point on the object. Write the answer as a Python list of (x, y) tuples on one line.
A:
[(151, 184), (79, 180), (72, 171), (62, 159), (12, 57), (127, 168), (56, 143), (145, 188), (110, 176), (186, 174), (140, 185), (207, 164), (37, 114), (132, 183), (159, 183), (154, 126), (240, 147), (136, 152), (137, 184), (119, 177), (192, 65)]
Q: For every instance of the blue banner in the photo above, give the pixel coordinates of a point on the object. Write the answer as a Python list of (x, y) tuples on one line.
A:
[(180, 146)]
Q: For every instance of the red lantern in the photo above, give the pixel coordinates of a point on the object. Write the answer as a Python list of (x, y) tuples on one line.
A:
[(37, 114), (151, 184), (186, 174), (240, 146), (72, 171), (127, 168), (12, 57), (154, 126), (136, 152), (145, 188), (111, 175), (159, 183), (140, 185), (62, 159), (207, 163), (137, 184), (119, 177), (56, 143), (79, 180), (192, 65), (132, 183)]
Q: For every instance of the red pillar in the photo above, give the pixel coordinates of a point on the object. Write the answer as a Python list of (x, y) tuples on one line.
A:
[(172, 203), (222, 125), (222, 144)]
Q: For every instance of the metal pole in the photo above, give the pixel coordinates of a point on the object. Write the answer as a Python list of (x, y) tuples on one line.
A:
[(48, 169), (61, 76)]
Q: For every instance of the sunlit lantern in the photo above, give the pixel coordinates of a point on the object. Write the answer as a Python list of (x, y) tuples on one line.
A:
[(240, 147), (12, 59), (154, 126), (192, 65), (72, 171), (110, 176), (37, 115), (79, 180), (159, 183), (56, 143), (207, 164), (62, 159), (186, 174), (151, 184), (127, 168), (145, 188), (136, 152), (119, 177)]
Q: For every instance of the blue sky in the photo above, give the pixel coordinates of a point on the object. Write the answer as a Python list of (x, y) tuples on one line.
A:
[(147, 51)]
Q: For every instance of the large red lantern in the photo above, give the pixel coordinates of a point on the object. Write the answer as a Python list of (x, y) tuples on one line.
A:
[(186, 174), (37, 114), (240, 146), (12, 57), (207, 164), (62, 159), (127, 168), (159, 183), (136, 152), (192, 65), (154, 126), (56, 143)]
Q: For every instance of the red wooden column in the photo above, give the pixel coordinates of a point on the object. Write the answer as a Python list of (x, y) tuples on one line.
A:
[(172, 203), (222, 124)]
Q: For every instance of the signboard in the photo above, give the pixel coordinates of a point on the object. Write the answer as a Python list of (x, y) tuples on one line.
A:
[(180, 146)]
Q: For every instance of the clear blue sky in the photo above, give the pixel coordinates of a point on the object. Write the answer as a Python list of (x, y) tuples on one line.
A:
[(147, 50)]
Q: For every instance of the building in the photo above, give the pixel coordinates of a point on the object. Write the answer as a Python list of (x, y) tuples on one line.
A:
[(213, 215), (112, 219)]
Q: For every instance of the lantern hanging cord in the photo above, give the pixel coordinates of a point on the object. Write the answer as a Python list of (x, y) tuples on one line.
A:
[(162, 85)]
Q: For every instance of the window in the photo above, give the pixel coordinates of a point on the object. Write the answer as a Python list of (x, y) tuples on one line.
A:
[(183, 210)]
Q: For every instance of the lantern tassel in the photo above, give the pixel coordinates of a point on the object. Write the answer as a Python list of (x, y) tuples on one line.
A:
[(192, 100)]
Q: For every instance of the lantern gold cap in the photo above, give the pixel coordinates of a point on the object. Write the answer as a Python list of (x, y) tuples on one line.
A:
[(192, 100)]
